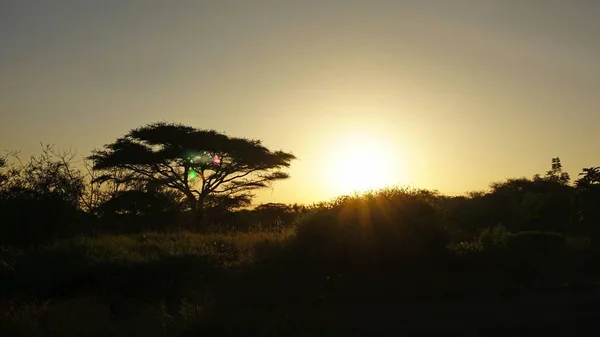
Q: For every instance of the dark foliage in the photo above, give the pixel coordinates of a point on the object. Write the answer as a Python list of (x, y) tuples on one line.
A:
[(382, 229), (39, 200), (538, 204), (368, 252), (588, 204), (197, 163)]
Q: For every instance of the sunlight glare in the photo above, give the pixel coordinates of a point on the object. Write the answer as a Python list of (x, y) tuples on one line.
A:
[(363, 163)]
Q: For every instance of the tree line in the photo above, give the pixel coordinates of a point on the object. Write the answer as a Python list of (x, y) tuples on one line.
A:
[(165, 175), (159, 172)]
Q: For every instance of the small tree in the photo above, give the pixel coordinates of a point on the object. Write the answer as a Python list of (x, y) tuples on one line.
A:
[(556, 173), (590, 178), (588, 202), (50, 173), (537, 204), (39, 199), (198, 163)]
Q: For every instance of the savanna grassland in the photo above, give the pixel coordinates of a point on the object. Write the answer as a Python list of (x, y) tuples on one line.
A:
[(340, 269), (520, 258)]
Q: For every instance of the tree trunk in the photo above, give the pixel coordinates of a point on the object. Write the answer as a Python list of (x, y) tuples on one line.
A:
[(195, 210), (191, 199), (200, 209)]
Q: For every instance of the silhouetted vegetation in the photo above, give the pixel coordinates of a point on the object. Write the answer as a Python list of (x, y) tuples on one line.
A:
[(196, 163), (39, 199), (114, 247)]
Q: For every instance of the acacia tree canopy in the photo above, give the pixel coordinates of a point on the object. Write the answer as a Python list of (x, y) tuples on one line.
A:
[(196, 162)]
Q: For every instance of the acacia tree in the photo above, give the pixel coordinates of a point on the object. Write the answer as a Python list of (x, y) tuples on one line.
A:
[(197, 163)]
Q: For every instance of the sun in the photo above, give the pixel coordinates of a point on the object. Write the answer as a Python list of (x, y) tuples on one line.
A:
[(362, 163)]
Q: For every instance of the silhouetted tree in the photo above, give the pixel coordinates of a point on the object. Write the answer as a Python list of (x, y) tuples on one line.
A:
[(219, 203), (3, 175), (40, 199), (198, 163), (95, 191), (588, 202), (541, 203), (590, 177), (556, 173), (142, 202), (49, 173), (220, 209), (538, 204), (275, 213)]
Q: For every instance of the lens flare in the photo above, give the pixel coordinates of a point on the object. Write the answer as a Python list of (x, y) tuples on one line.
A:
[(192, 175)]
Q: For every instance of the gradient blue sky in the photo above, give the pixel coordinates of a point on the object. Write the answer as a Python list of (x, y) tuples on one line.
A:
[(455, 94)]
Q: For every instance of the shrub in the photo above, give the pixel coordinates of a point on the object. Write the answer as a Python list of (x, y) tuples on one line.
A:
[(377, 229), (535, 245), (531, 257), (489, 241), (28, 217), (39, 200), (466, 248), (498, 242), (493, 239)]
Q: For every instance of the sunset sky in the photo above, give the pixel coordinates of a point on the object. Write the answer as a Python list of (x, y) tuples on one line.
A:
[(446, 95)]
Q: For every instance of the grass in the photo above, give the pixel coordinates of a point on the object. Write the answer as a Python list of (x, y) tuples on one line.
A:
[(157, 283), (226, 250), (346, 269), (92, 317)]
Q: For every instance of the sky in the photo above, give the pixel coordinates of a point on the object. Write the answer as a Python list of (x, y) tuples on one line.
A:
[(446, 95)]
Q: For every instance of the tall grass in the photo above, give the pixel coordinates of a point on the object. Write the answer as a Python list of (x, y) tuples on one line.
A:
[(391, 245)]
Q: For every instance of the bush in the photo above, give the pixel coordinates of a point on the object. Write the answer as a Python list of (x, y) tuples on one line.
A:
[(39, 200), (467, 248), (535, 245), (29, 217), (493, 239), (531, 257), (377, 229), (488, 241)]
